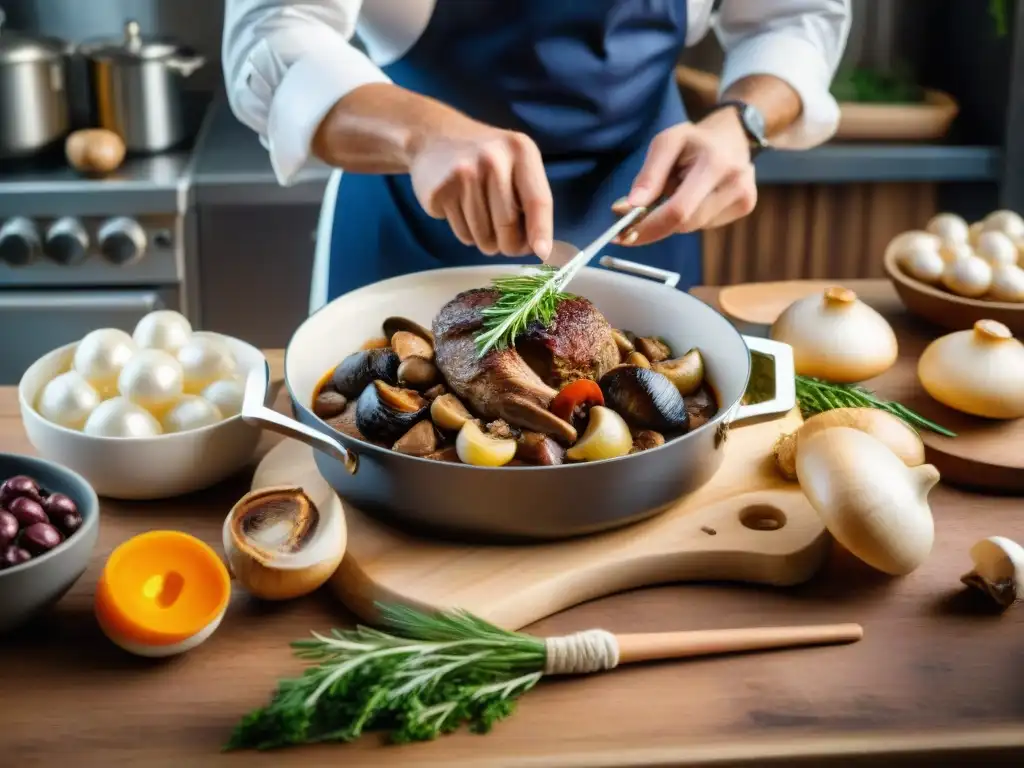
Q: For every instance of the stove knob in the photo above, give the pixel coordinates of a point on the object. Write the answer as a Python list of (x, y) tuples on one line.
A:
[(67, 242), (19, 242), (122, 241)]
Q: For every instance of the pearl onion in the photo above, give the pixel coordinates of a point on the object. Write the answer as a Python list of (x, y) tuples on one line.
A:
[(969, 276), (996, 248), (1007, 283), (974, 232), (67, 400), (1007, 222), (101, 355), (906, 242), (924, 264), (190, 412), (152, 379), (120, 417), (227, 395), (951, 252), (163, 329), (205, 360), (949, 227)]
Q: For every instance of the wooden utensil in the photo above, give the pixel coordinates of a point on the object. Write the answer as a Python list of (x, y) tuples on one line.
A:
[(747, 524), (985, 453)]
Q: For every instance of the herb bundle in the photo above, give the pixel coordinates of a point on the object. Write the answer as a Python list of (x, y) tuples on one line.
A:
[(436, 673), (524, 299)]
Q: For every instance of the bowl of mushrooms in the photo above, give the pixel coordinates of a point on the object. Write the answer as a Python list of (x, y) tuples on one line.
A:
[(954, 274)]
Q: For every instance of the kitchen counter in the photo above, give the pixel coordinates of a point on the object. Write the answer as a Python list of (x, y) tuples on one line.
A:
[(935, 681)]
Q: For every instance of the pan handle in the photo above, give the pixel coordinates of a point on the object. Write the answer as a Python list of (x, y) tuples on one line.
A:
[(785, 381), (256, 413), (671, 279)]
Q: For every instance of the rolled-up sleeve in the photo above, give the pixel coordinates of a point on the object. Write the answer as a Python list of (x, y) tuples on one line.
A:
[(799, 41), (285, 65)]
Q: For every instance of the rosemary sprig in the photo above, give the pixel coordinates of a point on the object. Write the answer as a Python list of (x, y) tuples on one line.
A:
[(522, 300), (434, 674), (814, 396)]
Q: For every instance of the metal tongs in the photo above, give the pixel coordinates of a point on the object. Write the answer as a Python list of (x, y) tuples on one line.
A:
[(571, 268)]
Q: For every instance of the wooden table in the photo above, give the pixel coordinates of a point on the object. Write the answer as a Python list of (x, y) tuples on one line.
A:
[(935, 681)]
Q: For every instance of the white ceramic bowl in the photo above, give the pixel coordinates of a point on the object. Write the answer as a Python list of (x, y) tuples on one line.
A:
[(141, 467)]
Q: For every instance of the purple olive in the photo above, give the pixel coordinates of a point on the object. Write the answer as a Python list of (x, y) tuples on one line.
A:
[(40, 537), (57, 506), (69, 523), (27, 512), (14, 555), (8, 528), (19, 486)]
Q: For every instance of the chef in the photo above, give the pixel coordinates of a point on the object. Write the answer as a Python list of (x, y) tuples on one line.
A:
[(468, 129)]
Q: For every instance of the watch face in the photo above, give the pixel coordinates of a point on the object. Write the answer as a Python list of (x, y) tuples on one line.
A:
[(754, 121)]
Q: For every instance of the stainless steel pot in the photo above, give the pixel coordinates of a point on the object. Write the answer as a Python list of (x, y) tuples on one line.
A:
[(544, 502), (33, 95), (137, 87)]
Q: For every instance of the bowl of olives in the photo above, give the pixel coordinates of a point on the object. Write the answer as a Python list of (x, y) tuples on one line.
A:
[(49, 522)]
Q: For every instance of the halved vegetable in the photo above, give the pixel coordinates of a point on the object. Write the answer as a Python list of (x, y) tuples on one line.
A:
[(582, 394), (686, 372), (481, 450), (607, 437), (448, 413)]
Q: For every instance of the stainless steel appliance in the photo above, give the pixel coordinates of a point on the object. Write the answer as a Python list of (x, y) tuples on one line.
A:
[(78, 253), (33, 93), (137, 87)]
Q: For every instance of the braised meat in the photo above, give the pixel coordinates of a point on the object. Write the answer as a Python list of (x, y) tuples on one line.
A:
[(518, 384)]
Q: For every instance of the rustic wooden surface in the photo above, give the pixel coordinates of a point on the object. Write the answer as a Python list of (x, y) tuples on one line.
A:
[(936, 680)]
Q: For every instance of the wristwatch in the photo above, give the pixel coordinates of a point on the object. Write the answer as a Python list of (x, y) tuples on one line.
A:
[(752, 121)]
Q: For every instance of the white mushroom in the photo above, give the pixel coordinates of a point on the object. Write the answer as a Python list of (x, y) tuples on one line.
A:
[(998, 570)]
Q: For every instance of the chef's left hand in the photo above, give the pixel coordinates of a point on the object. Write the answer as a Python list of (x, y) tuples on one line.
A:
[(705, 171)]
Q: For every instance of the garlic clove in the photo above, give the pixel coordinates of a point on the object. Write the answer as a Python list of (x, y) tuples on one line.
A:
[(948, 227), (278, 544), (996, 248), (478, 449), (998, 570), (968, 276), (976, 371), (923, 263), (1007, 283), (870, 501), (607, 437), (836, 336)]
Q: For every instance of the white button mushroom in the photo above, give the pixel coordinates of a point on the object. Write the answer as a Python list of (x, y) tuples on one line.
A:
[(998, 570)]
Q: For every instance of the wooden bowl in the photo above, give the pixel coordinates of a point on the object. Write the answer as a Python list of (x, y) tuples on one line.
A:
[(947, 310), (930, 119)]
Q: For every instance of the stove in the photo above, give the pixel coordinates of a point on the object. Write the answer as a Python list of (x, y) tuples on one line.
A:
[(79, 253)]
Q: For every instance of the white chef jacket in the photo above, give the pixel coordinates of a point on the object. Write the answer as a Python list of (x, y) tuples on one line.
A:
[(287, 62)]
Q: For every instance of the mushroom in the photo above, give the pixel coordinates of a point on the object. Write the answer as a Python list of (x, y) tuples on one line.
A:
[(1007, 283), (686, 372), (355, 372), (393, 325), (969, 276), (654, 350), (998, 570), (448, 413), (645, 439), (408, 345), (537, 448), (385, 412), (329, 404), (417, 372), (647, 399), (622, 342), (635, 358), (421, 440), (279, 546)]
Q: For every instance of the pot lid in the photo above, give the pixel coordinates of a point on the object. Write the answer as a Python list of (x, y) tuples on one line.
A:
[(132, 46), (17, 48)]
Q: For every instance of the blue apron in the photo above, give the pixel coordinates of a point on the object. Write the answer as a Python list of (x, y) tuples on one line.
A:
[(590, 81)]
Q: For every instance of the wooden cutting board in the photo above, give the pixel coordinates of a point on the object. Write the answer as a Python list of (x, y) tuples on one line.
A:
[(986, 453), (746, 525)]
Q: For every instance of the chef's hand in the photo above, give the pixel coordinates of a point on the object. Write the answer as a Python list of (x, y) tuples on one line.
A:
[(490, 185), (705, 171)]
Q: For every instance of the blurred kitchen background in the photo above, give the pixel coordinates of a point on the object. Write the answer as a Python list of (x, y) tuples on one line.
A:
[(931, 89)]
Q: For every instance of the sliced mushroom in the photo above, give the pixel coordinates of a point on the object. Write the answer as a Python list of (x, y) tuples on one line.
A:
[(646, 399), (686, 372), (528, 415), (385, 412), (358, 370), (622, 342), (448, 413), (635, 358), (408, 345), (653, 349), (435, 392), (535, 448), (645, 439), (421, 440), (393, 325), (417, 372)]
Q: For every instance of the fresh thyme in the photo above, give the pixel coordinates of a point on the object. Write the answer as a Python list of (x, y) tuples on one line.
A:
[(815, 396), (523, 300), (436, 673)]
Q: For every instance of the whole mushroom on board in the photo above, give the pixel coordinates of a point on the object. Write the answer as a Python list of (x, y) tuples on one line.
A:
[(998, 570), (837, 337), (869, 499)]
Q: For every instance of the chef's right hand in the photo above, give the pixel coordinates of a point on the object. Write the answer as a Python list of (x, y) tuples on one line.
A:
[(491, 187)]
